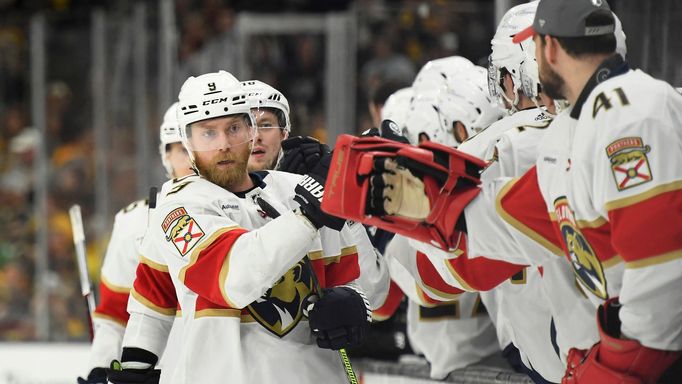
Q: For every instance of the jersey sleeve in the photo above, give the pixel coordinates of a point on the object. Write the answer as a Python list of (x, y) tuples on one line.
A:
[(152, 306), (509, 221), (224, 263), (637, 184), (118, 272), (373, 277)]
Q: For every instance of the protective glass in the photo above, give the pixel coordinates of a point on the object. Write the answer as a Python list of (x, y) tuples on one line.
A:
[(221, 133)]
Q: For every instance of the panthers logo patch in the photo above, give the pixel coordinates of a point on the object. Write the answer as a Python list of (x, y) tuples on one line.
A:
[(586, 266), (629, 162), (181, 230), (279, 309)]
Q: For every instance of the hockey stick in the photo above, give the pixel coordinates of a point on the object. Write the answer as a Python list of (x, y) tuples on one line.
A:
[(79, 244), (272, 212)]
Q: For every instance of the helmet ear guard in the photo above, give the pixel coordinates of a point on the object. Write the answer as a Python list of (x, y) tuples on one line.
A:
[(450, 178)]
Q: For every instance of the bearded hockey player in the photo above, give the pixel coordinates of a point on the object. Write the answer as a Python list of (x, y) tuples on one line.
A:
[(602, 189), (121, 258), (240, 282)]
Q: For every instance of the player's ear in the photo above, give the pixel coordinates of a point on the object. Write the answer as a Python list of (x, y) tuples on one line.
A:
[(551, 49)]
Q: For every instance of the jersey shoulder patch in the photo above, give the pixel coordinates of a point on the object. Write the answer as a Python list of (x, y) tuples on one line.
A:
[(181, 230), (629, 162)]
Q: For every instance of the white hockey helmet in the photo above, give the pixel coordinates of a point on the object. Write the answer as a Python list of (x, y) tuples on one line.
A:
[(266, 96), (426, 118), (212, 95), (476, 108), (397, 107), (169, 134), (517, 59), (436, 73)]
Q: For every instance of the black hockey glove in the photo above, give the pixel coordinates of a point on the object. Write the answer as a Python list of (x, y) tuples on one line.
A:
[(389, 130), (301, 154), (340, 318), (309, 194), (96, 376), (118, 373)]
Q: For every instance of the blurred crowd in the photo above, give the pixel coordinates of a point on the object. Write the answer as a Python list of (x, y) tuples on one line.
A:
[(395, 38)]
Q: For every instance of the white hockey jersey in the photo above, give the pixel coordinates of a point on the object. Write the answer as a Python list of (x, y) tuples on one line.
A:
[(518, 304), (452, 333), (240, 280), (116, 280), (605, 188)]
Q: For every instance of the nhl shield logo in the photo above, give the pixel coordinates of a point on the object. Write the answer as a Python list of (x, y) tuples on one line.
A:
[(279, 309), (629, 162), (587, 268), (182, 230)]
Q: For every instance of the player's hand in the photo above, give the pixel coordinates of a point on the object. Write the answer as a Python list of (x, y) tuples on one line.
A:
[(389, 130), (301, 154), (340, 318), (309, 194), (136, 367), (96, 376), (394, 190)]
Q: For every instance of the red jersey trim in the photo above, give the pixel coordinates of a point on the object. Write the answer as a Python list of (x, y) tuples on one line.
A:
[(113, 287), (433, 281), (648, 226), (147, 303), (209, 265), (113, 305), (153, 264), (393, 298), (522, 196)]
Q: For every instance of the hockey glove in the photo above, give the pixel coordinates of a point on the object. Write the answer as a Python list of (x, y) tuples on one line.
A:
[(136, 367), (301, 154), (340, 318), (96, 376), (616, 360), (419, 192), (389, 130), (309, 194)]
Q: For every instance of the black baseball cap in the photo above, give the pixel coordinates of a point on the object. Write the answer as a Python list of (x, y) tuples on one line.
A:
[(568, 18)]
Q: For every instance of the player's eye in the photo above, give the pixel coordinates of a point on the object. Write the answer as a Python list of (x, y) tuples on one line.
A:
[(208, 133), (233, 129)]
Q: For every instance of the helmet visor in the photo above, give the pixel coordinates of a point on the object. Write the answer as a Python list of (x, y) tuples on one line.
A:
[(220, 133)]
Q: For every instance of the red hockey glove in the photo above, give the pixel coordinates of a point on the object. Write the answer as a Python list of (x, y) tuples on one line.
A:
[(419, 192), (615, 360)]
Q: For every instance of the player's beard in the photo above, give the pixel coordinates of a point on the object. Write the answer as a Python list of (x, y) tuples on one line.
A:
[(553, 85), (230, 177)]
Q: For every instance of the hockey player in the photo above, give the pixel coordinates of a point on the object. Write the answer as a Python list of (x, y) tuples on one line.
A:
[(602, 182), (240, 282), (272, 117), (121, 258)]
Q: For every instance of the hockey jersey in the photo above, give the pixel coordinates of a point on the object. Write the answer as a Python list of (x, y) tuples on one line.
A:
[(605, 188), (116, 280), (451, 333), (240, 279)]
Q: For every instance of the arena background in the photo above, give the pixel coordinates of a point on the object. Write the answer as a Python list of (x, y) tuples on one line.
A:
[(83, 85)]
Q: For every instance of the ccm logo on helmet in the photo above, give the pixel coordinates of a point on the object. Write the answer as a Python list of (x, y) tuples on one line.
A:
[(215, 101), (312, 186)]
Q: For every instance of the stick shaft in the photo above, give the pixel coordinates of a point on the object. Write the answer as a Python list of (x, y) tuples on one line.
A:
[(79, 245)]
